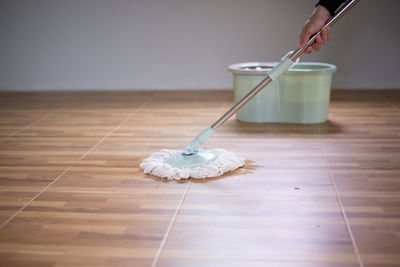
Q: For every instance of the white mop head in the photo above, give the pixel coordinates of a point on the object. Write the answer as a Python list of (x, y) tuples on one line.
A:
[(225, 162)]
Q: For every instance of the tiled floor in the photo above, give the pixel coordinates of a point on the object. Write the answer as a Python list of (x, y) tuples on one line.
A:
[(72, 194)]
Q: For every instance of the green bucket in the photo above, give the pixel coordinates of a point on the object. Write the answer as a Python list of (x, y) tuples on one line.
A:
[(300, 95)]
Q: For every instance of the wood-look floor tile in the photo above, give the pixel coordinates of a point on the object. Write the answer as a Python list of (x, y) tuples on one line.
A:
[(32, 100), (103, 211), (371, 200), (148, 138), (360, 98), (337, 129), (201, 262), (12, 121), (108, 99), (280, 130), (73, 99), (388, 147), (361, 116), (22, 177), (34, 145), (375, 223), (76, 133), (69, 123), (246, 226), (190, 100), (363, 156), (378, 124), (272, 182)]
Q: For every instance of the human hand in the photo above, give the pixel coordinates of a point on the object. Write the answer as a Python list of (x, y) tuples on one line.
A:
[(315, 23)]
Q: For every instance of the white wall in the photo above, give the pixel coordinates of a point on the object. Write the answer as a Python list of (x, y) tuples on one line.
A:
[(182, 44)]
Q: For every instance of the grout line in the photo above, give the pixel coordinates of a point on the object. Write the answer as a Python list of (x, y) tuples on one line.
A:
[(394, 107), (118, 126), (62, 174), (35, 197), (340, 204), (391, 104), (27, 126), (171, 224), (107, 135)]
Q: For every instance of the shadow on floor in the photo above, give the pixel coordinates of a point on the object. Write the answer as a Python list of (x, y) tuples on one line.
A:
[(328, 127), (239, 127)]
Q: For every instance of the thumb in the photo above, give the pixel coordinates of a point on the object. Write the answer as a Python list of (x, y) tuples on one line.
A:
[(304, 37)]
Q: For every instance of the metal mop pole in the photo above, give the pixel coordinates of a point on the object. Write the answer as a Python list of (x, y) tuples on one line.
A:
[(285, 64), (293, 57)]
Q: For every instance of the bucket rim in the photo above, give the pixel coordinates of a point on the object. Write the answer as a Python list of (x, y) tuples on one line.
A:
[(263, 67)]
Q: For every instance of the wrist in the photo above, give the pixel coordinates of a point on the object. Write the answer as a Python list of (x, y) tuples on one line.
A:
[(322, 13)]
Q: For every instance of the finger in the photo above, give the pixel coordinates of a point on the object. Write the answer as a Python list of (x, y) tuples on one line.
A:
[(317, 45), (328, 29), (304, 36), (308, 50), (300, 45), (303, 41), (324, 35)]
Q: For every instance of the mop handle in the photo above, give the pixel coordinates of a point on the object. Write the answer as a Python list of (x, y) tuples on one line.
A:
[(293, 57)]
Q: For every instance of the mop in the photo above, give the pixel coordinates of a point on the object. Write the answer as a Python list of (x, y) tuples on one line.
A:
[(198, 163)]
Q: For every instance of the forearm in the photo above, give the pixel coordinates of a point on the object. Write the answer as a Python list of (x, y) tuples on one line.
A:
[(320, 14)]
